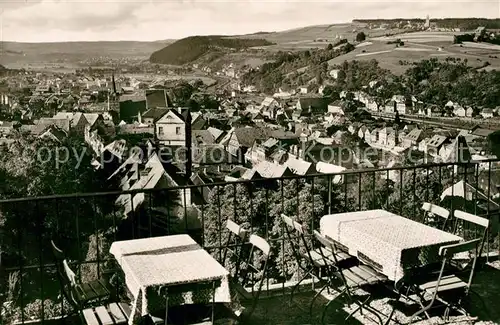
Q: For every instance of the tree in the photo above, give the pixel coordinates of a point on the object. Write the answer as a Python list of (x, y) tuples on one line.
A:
[(329, 47), (43, 167), (305, 204), (494, 143), (360, 37), (241, 203)]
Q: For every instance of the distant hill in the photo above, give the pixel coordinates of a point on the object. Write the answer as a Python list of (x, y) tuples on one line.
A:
[(15, 52), (462, 23), (191, 48)]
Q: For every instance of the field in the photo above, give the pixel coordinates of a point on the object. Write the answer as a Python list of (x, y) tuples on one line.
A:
[(315, 36), (420, 46)]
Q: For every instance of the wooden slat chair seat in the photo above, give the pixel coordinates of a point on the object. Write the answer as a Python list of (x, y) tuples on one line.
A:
[(352, 277), (449, 283), (114, 313), (319, 261), (85, 294), (362, 275)]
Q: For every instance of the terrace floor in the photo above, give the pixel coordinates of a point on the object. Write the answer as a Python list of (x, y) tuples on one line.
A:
[(279, 310)]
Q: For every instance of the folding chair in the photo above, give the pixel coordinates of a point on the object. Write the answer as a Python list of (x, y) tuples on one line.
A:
[(435, 215), (236, 239), (86, 294), (354, 277), (470, 226), (449, 284), (309, 260), (256, 264)]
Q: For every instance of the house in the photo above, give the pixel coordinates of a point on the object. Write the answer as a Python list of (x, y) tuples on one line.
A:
[(6, 128), (413, 138), (397, 103), (434, 145), (78, 124), (271, 170), (269, 107), (469, 111), (214, 159), (127, 90), (487, 113), (300, 167), (459, 111), (353, 128), (374, 135), (368, 136), (257, 117), (240, 140), (94, 119), (304, 89), (170, 129), (383, 135), (458, 151), (131, 106), (336, 108), (392, 137), (481, 133), (198, 122), (362, 131), (326, 168), (152, 115), (216, 134), (43, 89), (53, 133), (157, 98), (312, 105)]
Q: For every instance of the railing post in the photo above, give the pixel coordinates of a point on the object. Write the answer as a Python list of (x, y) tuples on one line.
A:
[(40, 226), (329, 180)]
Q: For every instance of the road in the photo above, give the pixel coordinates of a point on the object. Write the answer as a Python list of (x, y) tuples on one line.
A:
[(448, 123)]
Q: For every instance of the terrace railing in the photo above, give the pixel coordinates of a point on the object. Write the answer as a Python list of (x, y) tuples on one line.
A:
[(85, 225)]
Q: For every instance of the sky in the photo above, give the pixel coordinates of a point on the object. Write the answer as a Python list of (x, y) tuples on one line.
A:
[(149, 20)]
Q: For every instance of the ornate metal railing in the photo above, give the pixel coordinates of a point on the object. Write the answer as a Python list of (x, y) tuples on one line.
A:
[(86, 224)]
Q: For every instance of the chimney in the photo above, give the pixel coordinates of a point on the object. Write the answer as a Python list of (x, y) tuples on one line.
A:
[(188, 146), (114, 83)]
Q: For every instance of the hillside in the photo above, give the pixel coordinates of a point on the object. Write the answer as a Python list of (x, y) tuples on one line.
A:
[(191, 48), (291, 70), (18, 54)]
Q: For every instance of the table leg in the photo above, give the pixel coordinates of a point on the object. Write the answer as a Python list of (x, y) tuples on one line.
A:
[(166, 306), (213, 302)]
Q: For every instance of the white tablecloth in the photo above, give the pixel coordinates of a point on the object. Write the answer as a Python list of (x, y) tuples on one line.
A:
[(168, 261), (390, 242)]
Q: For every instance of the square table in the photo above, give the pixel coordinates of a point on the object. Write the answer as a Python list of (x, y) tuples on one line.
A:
[(388, 242), (170, 261)]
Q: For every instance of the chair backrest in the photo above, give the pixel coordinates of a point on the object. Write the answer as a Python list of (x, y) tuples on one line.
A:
[(296, 238), (435, 210), (470, 226), (57, 252), (66, 276), (448, 251), (255, 265), (325, 244), (329, 244), (236, 238)]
